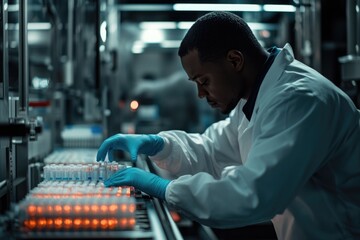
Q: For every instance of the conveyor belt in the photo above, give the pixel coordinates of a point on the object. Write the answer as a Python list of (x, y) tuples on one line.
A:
[(72, 203)]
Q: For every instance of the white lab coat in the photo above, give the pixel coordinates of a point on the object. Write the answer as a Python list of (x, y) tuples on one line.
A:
[(296, 163)]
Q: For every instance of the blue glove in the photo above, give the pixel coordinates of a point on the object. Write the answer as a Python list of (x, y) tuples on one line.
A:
[(144, 181), (132, 143)]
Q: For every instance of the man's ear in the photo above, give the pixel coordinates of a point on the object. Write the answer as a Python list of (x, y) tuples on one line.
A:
[(236, 58)]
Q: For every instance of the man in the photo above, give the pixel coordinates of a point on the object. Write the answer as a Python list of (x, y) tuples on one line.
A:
[(289, 150)]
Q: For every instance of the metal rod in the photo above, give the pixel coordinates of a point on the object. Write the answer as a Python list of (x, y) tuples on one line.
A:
[(70, 36), (97, 45), (4, 79), (357, 27), (350, 13), (23, 58)]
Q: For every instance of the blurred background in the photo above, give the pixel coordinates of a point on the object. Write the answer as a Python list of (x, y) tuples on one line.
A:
[(75, 72)]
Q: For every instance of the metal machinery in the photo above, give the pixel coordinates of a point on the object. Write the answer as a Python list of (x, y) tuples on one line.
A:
[(350, 63), (75, 72), (51, 124), (325, 38), (72, 203)]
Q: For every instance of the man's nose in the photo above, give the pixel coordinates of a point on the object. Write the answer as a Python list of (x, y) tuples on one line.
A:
[(201, 92)]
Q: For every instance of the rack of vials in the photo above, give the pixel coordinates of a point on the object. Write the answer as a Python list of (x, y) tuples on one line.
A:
[(77, 206), (72, 202)]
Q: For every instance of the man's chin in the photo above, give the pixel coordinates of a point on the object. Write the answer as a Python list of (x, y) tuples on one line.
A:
[(226, 110)]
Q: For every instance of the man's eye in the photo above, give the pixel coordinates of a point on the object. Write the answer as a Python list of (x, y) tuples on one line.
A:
[(204, 82)]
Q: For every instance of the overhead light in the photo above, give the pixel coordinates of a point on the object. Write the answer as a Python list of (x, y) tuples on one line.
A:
[(157, 25), (184, 25), (262, 26), (152, 36), (39, 26), (31, 26), (207, 7), (144, 7), (165, 25), (217, 7), (138, 47), (40, 83), (278, 8), (103, 31), (234, 7), (134, 105), (170, 43)]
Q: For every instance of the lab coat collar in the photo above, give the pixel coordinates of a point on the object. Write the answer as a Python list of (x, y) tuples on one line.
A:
[(281, 61), (250, 104)]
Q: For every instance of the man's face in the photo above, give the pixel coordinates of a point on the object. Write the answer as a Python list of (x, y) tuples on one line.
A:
[(219, 82)]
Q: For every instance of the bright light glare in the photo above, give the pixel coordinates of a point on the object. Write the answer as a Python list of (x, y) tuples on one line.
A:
[(134, 105), (40, 83), (170, 43), (165, 25), (157, 25), (152, 36), (103, 31), (217, 7), (262, 26), (278, 8), (185, 25), (138, 47), (234, 7)]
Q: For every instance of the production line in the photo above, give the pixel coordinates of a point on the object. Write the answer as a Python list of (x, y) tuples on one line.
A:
[(72, 202), (76, 74)]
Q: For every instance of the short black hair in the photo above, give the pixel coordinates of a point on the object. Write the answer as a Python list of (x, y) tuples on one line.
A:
[(215, 33)]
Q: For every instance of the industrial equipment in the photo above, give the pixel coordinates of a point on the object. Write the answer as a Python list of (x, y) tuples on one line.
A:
[(71, 202), (78, 71)]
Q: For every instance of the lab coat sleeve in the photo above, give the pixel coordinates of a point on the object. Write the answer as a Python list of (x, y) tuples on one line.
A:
[(209, 152), (291, 141)]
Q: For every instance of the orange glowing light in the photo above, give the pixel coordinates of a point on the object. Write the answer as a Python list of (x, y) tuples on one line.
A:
[(31, 209), (77, 222), (39, 210), (77, 208), (175, 216), (104, 223), (94, 208), (104, 208), (58, 208), (68, 222), (94, 223), (86, 208), (132, 222), (132, 208), (49, 209), (49, 223), (123, 222), (128, 192), (41, 223), (86, 223), (58, 222), (113, 207), (134, 105), (32, 224), (67, 208), (123, 207), (112, 223)]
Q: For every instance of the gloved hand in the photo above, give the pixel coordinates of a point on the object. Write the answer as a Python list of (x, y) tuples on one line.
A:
[(144, 181), (132, 143)]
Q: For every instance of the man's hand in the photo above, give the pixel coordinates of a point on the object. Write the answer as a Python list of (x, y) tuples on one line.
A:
[(144, 181), (133, 143)]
